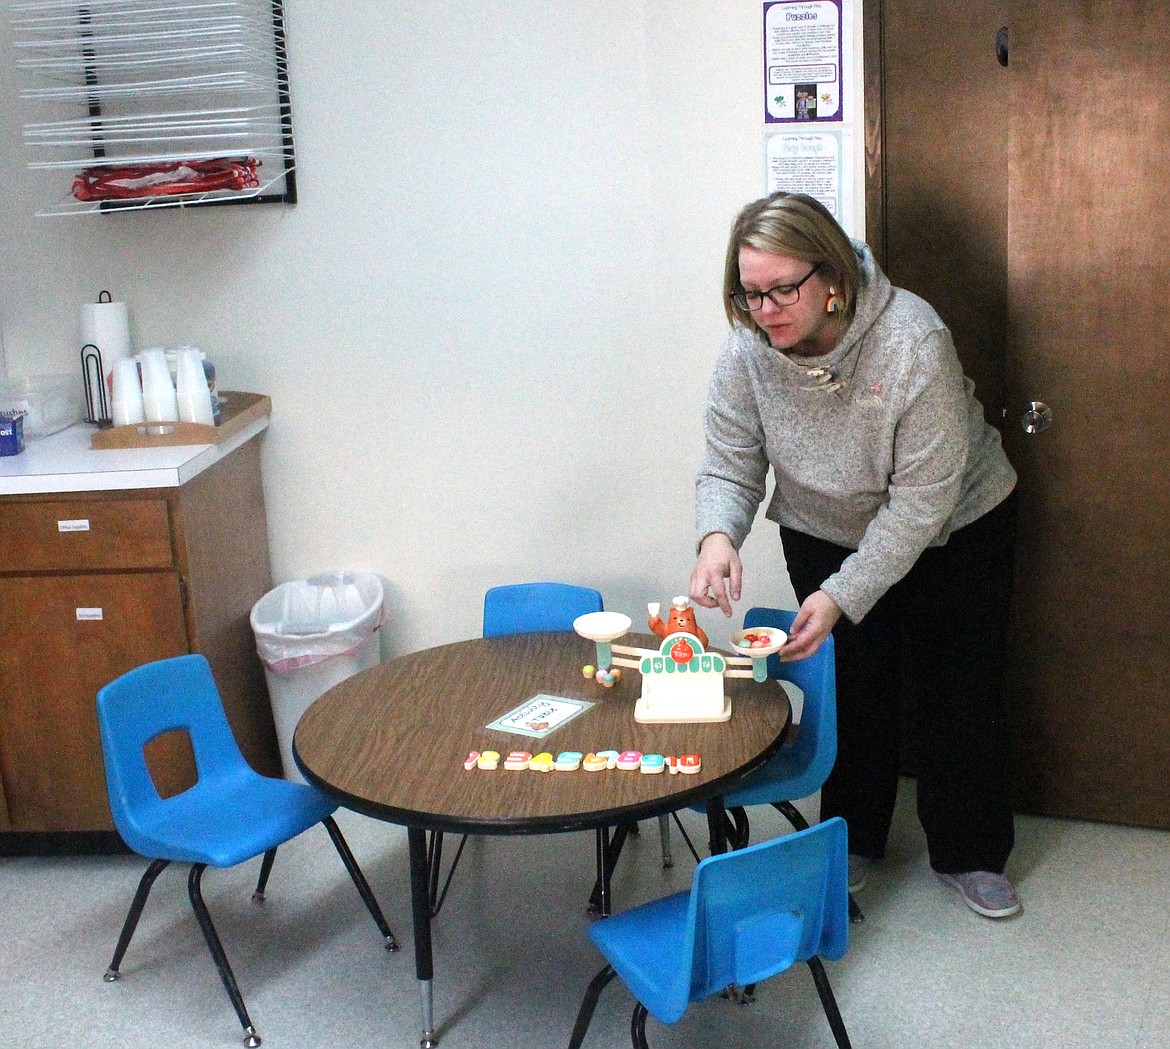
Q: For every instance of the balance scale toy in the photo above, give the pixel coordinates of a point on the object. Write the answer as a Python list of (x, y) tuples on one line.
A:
[(682, 682)]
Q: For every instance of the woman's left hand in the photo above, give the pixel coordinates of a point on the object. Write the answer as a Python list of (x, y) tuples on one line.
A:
[(813, 623)]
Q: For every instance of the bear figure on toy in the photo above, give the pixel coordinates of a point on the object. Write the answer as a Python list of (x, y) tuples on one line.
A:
[(680, 619)]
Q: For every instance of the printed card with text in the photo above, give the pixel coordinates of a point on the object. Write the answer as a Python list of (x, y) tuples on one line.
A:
[(540, 715)]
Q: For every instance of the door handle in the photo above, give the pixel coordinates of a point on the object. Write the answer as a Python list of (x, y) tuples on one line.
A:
[(1037, 417), (1002, 46)]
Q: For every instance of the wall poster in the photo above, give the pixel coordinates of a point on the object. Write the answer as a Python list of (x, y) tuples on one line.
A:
[(815, 161), (803, 55)]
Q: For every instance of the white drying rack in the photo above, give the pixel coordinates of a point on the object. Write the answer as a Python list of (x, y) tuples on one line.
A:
[(125, 83)]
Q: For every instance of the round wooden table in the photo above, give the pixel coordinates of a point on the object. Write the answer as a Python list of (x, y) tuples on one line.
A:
[(391, 742)]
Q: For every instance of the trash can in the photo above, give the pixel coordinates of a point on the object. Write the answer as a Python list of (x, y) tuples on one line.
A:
[(311, 634)]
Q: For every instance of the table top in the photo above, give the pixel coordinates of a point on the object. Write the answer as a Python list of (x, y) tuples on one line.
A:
[(391, 741)]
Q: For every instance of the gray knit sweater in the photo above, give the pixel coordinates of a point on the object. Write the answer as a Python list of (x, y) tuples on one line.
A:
[(892, 462)]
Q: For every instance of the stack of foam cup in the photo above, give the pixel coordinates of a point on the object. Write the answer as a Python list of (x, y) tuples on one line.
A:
[(127, 407), (194, 395), (158, 392)]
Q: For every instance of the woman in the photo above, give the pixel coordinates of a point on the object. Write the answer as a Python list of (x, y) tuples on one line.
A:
[(896, 511)]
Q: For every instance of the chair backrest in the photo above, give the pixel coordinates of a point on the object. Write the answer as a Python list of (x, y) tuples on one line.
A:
[(756, 911), (524, 608), (808, 761), (145, 702)]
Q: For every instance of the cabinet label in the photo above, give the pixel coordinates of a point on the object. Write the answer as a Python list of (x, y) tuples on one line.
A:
[(73, 526), (89, 613)]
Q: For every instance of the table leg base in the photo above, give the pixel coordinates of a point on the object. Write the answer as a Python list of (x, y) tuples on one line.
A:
[(426, 998)]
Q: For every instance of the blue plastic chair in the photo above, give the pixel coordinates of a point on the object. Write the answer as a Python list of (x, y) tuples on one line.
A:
[(800, 768), (750, 914), (229, 815), (525, 608)]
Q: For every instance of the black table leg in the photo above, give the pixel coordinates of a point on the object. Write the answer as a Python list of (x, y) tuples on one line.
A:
[(420, 901), (599, 902)]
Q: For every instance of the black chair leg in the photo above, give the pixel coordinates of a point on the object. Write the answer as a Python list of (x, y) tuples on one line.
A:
[(686, 837), (791, 813), (821, 978), (598, 903), (739, 831), (131, 922), (359, 880), (589, 1004), (434, 864), (638, 1027), (251, 1038), (265, 871), (794, 816)]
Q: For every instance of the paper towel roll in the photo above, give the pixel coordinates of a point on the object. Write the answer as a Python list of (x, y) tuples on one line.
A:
[(106, 325)]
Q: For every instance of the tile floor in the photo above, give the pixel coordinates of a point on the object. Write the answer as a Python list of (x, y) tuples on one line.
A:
[(1085, 966)]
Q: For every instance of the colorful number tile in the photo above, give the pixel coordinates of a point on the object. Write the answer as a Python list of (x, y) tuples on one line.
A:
[(629, 760)]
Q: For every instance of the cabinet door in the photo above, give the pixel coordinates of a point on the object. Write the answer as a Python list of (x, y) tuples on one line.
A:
[(61, 639)]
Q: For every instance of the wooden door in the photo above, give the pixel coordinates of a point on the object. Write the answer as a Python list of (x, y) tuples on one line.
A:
[(1089, 271), (1085, 100)]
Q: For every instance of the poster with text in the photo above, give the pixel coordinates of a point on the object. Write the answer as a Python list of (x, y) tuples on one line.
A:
[(815, 162), (803, 52)]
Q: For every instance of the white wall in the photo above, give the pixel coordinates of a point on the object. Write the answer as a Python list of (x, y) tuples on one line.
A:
[(487, 326)]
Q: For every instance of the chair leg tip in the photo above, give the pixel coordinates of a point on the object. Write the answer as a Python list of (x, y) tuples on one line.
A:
[(251, 1038), (257, 898), (111, 975), (391, 944)]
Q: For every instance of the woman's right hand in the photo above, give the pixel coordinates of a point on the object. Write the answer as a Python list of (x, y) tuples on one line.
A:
[(718, 561)]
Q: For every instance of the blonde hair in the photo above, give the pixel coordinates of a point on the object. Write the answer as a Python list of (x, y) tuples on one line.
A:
[(800, 227)]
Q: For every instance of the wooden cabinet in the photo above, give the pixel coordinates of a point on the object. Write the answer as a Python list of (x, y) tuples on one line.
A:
[(94, 583)]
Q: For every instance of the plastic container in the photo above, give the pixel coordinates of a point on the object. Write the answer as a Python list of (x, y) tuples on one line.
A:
[(11, 433), (311, 634), (49, 402)]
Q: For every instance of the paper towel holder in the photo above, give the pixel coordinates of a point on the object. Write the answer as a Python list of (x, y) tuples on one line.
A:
[(93, 375)]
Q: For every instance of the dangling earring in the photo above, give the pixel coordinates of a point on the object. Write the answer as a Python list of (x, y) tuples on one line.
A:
[(834, 304)]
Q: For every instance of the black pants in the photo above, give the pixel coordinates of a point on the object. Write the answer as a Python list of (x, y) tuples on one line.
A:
[(939, 637)]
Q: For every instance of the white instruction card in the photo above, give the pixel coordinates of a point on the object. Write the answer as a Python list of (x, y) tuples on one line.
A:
[(540, 715)]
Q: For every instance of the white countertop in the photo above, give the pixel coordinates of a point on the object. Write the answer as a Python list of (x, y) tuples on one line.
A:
[(65, 462)]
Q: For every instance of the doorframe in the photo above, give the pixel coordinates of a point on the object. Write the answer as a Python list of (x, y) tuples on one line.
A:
[(874, 127)]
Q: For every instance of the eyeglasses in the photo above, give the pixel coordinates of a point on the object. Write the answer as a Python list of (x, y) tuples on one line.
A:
[(781, 295)]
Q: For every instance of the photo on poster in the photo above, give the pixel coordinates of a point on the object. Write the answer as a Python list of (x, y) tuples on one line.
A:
[(803, 60)]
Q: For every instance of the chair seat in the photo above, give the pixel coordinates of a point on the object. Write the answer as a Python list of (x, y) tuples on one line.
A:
[(649, 948), (254, 813), (792, 770)]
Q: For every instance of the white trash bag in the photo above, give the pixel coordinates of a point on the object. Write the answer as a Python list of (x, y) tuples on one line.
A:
[(307, 621), (310, 635)]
